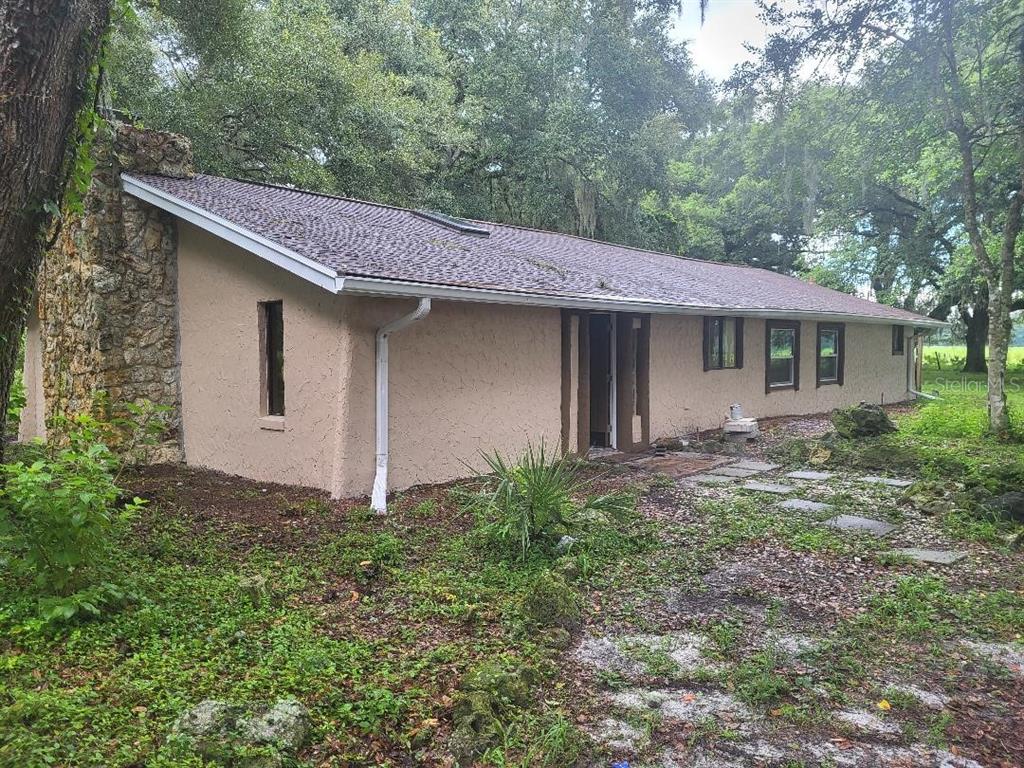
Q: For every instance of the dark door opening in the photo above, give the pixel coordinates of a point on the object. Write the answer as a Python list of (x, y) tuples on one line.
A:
[(601, 381)]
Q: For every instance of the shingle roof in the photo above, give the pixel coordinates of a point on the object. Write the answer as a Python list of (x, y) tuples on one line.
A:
[(359, 239)]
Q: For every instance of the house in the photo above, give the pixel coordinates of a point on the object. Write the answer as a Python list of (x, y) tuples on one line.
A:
[(316, 340)]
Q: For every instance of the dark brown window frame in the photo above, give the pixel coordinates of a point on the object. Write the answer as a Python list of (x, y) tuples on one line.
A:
[(787, 325), (899, 341), (708, 321), (840, 329), (271, 329)]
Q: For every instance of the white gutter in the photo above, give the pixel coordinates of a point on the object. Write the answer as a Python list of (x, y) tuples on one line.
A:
[(372, 286), (329, 279), (378, 500)]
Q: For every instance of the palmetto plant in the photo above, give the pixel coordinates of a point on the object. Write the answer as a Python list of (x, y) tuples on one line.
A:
[(537, 499)]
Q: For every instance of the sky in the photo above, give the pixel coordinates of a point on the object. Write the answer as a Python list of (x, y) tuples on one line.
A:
[(718, 45)]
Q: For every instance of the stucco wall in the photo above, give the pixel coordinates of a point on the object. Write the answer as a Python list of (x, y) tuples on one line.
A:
[(684, 397), (219, 288), (467, 378)]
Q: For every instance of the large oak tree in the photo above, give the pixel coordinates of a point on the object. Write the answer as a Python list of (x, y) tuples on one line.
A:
[(48, 49)]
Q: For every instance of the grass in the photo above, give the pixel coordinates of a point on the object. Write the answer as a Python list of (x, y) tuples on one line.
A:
[(373, 622), (952, 356)]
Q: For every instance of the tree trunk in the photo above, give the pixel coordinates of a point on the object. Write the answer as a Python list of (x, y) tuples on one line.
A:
[(47, 49), (977, 322)]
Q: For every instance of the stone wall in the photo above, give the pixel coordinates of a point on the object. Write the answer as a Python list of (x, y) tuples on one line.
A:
[(107, 290)]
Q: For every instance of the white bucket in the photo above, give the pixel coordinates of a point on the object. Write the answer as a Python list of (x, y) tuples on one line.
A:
[(735, 412)]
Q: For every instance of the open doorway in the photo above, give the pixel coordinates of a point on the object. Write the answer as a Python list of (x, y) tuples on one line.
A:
[(602, 380)]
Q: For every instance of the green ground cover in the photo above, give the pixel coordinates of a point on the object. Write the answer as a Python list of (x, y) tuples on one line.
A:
[(950, 357), (390, 630)]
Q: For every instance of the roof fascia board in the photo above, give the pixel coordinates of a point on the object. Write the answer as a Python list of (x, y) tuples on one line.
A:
[(368, 286), (285, 258)]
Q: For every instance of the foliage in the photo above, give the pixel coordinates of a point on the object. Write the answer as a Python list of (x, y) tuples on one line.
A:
[(17, 399), (62, 507), (536, 500)]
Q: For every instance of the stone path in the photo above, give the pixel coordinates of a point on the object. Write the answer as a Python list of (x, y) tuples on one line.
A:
[(860, 525), (778, 488), (870, 738), (807, 475), (934, 556), (803, 505)]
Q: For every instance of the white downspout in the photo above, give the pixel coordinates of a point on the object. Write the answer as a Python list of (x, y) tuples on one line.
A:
[(378, 500)]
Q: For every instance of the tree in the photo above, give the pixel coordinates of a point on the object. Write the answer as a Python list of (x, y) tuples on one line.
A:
[(48, 49), (962, 64), (351, 98)]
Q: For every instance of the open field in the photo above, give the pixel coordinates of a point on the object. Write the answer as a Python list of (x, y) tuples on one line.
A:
[(952, 357)]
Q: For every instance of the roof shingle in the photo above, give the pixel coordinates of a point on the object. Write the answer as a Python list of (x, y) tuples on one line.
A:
[(360, 239)]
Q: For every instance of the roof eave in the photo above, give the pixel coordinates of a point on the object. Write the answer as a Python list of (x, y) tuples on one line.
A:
[(372, 286), (328, 279)]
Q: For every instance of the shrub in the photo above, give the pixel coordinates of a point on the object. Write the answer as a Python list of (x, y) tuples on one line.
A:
[(537, 500), (60, 516)]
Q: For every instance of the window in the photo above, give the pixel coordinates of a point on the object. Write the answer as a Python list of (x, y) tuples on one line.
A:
[(897, 339), (272, 357), (782, 355), (723, 343), (831, 340)]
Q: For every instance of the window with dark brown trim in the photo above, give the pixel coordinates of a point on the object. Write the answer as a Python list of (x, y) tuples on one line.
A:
[(723, 343), (830, 358), (898, 342), (781, 355), (272, 357)]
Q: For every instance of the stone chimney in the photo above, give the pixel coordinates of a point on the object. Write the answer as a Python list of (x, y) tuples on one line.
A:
[(108, 288)]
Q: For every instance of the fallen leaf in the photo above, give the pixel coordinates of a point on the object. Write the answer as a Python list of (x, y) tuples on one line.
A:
[(884, 705)]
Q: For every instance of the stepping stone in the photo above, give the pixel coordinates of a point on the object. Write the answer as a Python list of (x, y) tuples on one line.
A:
[(803, 505), (866, 721), (711, 479), (734, 472), (862, 524), (757, 466), (768, 487), (937, 556), (892, 482), (804, 475)]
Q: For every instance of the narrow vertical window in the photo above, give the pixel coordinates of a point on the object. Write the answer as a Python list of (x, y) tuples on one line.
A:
[(831, 353), (782, 355), (272, 357), (898, 339), (723, 343)]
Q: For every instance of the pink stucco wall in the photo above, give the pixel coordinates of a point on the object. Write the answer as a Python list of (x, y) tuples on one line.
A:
[(684, 397), (467, 378)]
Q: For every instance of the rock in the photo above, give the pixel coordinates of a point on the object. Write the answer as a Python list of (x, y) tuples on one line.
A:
[(254, 588), (863, 420), (551, 602), (219, 731), (1009, 506), (284, 725), (209, 720), (485, 697), (556, 637), (565, 544)]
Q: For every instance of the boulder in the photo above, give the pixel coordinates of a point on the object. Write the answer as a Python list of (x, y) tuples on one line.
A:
[(230, 734), (487, 695), (1008, 506), (551, 602), (863, 420)]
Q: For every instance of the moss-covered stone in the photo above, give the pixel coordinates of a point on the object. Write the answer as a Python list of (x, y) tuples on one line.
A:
[(551, 602), (863, 420), (487, 696)]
